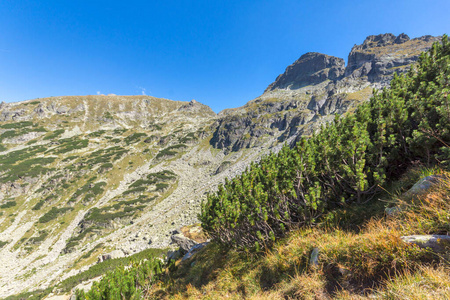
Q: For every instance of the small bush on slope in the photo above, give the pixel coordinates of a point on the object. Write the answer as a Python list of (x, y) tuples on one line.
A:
[(125, 282), (344, 163)]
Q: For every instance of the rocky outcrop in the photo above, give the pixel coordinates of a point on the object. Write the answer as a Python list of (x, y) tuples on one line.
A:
[(310, 68), (380, 56), (183, 242), (197, 107)]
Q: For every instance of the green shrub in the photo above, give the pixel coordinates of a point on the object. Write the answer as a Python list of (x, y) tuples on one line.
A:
[(71, 144), (135, 190), (161, 186), (343, 164), (125, 283), (39, 205), (8, 204), (105, 167), (134, 138), (38, 239), (105, 216), (170, 151), (17, 125), (162, 175), (108, 266), (54, 134), (53, 213)]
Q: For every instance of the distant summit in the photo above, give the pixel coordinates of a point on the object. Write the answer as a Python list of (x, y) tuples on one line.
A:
[(310, 68), (375, 61)]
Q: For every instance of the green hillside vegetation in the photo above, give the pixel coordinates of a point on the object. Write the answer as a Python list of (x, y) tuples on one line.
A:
[(325, 194), (345, 163)]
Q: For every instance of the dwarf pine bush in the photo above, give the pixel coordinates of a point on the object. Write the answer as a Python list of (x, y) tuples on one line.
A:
[(344, 163)]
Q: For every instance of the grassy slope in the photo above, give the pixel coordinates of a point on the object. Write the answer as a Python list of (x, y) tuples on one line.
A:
[(369, 260)]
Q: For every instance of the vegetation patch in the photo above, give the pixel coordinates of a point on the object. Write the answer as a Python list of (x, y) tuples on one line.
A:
[(17, 125), (96, 133), (109, 266), (134, 138), (162, 175), (8, 204), (38, 239), (53, 135), (170, 151), (135, 190), (345, 163), (71, 144), (188, 138), (53, 213)]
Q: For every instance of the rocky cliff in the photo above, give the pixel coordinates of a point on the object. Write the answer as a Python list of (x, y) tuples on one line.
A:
[(311, 68)]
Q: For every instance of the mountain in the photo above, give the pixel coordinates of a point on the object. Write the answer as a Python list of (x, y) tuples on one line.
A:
[(84, 175), (314, 88)]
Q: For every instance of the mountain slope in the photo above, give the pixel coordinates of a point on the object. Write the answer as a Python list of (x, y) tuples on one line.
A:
[(85, 175)]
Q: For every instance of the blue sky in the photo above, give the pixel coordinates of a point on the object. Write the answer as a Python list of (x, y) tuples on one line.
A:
[(221, 53)]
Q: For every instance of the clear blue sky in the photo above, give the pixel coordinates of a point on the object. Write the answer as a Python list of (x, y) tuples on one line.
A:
[(222, 53)]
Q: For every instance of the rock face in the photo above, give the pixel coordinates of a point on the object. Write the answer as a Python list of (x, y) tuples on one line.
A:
[(381, 55), (315, 88), (310, 68)]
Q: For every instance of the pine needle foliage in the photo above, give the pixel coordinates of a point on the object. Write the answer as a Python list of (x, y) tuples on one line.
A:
[(345, 163), (125, 282)]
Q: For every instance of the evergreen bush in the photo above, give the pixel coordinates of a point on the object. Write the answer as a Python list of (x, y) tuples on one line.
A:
[(344, 163)]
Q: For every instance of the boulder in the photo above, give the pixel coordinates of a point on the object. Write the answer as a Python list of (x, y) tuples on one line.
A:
[(173, 255), (112, 255), (194, 250), (423, 185), (437, 243), (183, 242)]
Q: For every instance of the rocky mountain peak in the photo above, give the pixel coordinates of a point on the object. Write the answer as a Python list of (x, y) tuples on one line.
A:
[(382, 40), (311, 68), (374, 61), (379, 56)]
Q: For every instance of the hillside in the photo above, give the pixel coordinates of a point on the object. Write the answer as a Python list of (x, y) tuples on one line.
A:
[(357, 211), (86, 175)]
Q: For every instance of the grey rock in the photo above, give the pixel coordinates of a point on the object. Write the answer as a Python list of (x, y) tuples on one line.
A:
[(193, 250), (173, 255), (401, 38), (183, 242), (314, 257), (437, 243), (197, 107), (112, 255), (311, 68), (392, 211), (423, 185)]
